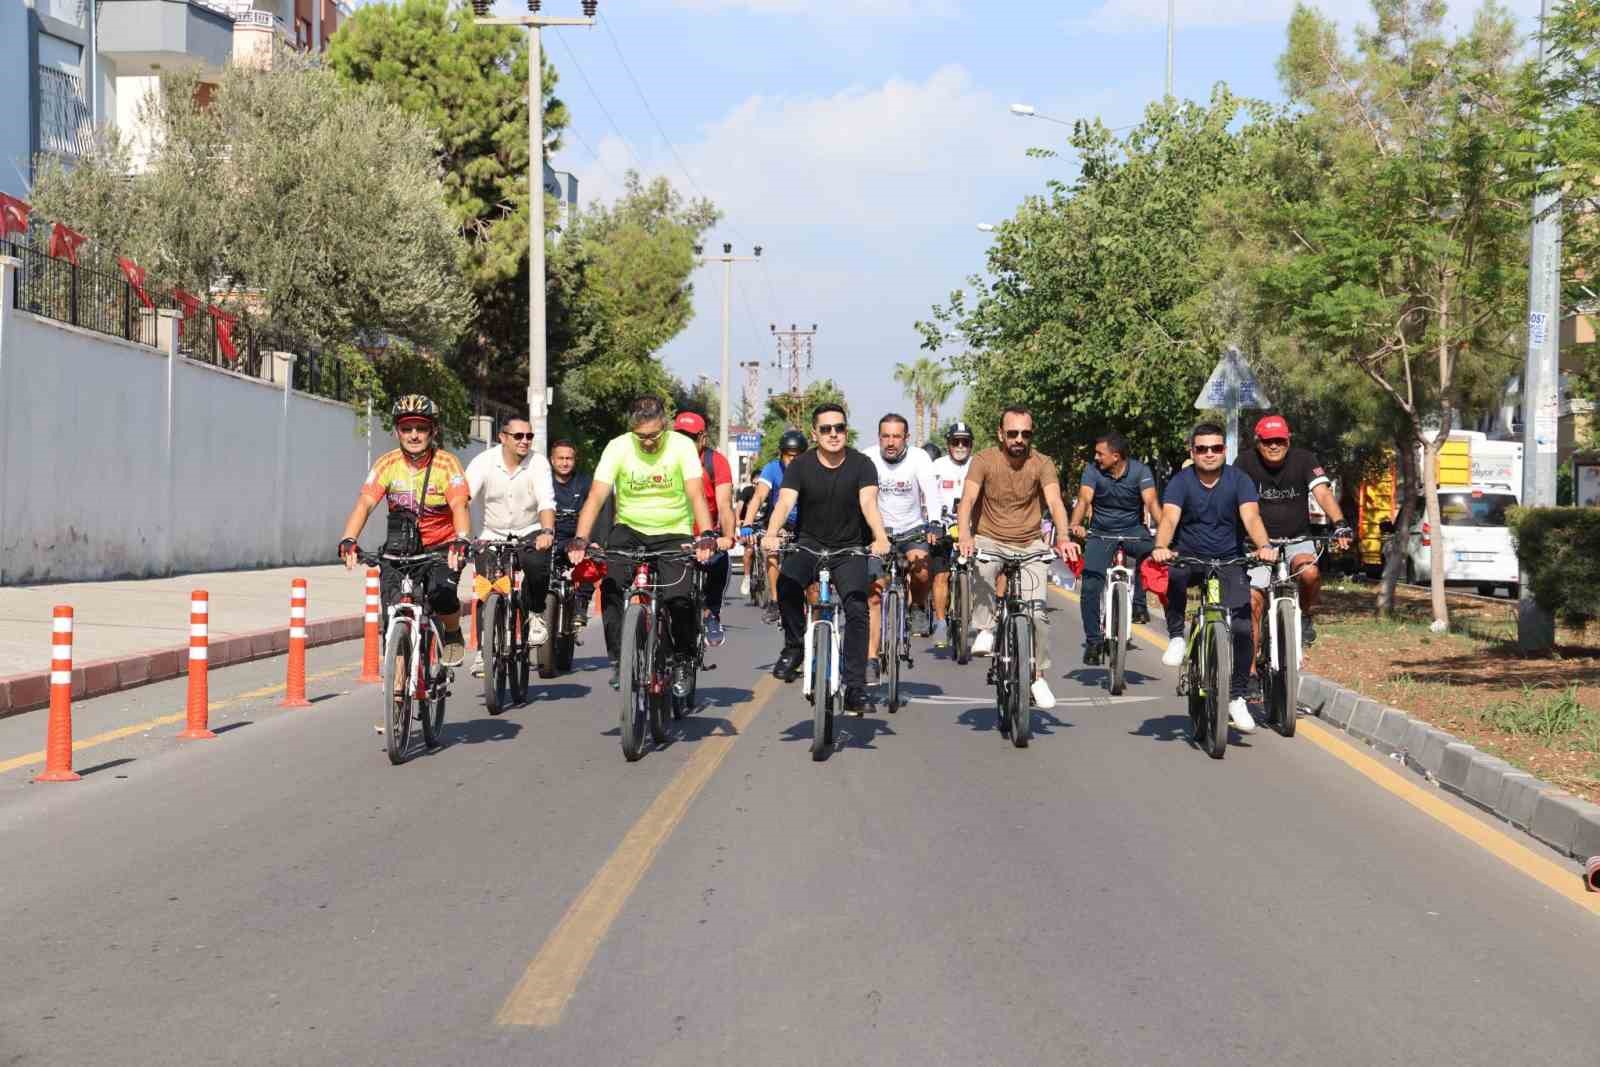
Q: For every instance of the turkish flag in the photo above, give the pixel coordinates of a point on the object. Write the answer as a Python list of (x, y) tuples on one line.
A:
[(224, 323), (191, 307), (64, 242), (13, 215), (135, 275)]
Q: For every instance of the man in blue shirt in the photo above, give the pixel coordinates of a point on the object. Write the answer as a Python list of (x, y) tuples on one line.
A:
[(1122, 492), (1201, 515), (759, 508)]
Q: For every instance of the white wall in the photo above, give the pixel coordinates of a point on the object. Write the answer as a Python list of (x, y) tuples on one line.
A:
[(91, 490)]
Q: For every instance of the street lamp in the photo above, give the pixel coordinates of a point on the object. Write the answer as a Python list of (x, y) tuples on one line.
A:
[(986, 227), (538, 391), (727, 259), (1028, 111)]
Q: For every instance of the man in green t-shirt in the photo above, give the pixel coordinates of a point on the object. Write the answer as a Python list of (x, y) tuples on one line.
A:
[(660, 504)]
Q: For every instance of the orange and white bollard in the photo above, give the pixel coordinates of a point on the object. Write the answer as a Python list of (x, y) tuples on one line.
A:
[(1591, 874), (58, 736), (369, 644), (294, 695), (198, 713)]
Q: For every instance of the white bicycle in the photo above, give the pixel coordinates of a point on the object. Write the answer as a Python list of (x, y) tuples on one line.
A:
[(820, 677), (415, 679), (1278, 658), (1116, 609)]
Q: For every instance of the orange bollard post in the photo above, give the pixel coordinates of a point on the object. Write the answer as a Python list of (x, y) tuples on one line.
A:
[(198, 726), (294, 695), (58, 736), (369, 644), (1591, 874)]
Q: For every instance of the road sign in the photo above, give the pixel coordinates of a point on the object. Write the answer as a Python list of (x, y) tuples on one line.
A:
[(747, 444), (1231, 388)]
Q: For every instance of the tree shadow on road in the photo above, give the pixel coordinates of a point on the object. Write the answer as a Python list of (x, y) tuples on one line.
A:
[(987, 720)]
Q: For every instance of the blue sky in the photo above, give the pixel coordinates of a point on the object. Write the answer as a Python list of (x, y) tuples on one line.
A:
[(861, 141)]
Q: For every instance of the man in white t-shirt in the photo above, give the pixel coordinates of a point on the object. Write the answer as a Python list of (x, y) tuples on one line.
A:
[(907, 500), (950, 476), (517, 490)]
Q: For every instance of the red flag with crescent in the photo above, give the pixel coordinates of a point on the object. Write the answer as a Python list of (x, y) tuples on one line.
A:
[(13, 215), (224, 323), (64, 242), (135, 275)]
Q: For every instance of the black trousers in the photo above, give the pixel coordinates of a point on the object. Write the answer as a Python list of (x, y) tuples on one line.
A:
[(849, 577), (1096, 560), (677, 589), (717, 572), (436, 581), (1236, 596)]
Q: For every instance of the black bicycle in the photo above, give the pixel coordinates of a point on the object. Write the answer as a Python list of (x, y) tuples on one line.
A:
[(647, 652), (894, 631), (958, 616), (503, 623), (1012, 667), (561, 612)]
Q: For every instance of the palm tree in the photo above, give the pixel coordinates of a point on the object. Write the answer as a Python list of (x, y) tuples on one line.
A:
[(937, 385), (911, 376)]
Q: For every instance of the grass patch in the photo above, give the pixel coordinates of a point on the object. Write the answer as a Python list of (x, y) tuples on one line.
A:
[(1545, 715)]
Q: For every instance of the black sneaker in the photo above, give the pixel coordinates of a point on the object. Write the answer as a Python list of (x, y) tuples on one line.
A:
[(1093, 653), (1308, 630), (787, 668), (770, 614), (680, 679), (1141, 614), (616, 676), (855, 699), (874, 673)]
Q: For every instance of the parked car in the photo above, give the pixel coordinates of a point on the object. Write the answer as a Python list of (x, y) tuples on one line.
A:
[(1477, 542)]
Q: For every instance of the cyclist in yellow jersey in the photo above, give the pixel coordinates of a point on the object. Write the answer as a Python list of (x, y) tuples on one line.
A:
[(661, 502), (427, 494)]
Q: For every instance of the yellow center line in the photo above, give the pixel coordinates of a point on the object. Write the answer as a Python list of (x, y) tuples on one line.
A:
[(167, 720), (550, 981)]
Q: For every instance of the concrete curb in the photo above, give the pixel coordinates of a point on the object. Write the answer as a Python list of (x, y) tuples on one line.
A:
[(1568, 824), (25, 692)]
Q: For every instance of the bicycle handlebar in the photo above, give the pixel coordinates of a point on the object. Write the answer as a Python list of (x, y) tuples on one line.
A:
[(823, 554), (1019, 558), (1200, 561)]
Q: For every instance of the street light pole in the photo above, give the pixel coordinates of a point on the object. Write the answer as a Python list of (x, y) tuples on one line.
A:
[(1541, 379), (727, 259), (538, 387), (1172, 21)]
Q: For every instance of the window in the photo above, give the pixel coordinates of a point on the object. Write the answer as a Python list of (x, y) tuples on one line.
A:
[(1460, 508), (65, 125)]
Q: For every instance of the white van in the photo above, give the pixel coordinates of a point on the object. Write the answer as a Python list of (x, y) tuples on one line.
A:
[(1477, 542)]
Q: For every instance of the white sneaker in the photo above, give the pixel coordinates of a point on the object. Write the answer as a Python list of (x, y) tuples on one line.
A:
[(1042, 697), (1173, 656), (744, 586), (1239, 712), (983, 644), (477, 664), (538, 632)]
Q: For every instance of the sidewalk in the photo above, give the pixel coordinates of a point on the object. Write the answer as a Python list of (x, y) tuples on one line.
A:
[(131, 630)]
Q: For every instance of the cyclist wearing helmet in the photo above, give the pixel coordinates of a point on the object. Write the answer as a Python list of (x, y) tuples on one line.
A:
[(719, 499), (427, 494), (950, 476), (759, 509)]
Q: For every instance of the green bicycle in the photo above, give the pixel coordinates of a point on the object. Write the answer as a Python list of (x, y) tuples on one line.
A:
[(1208, 657)]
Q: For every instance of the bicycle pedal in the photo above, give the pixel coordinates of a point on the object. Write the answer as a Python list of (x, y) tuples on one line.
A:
[(708, 666)]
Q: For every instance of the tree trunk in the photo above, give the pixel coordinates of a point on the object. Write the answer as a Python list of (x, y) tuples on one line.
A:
[(1394, 546), (1436, 561)]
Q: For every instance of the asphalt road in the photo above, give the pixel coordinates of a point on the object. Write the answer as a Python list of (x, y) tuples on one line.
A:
[(928, 895)]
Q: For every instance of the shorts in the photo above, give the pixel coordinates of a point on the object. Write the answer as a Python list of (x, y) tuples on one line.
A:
[(1261, 575), (939, 556)]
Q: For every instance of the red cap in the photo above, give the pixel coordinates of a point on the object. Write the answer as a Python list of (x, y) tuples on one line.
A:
[(689, 422), (1272, 426)]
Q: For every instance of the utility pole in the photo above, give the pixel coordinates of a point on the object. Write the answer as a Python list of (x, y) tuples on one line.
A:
[(727, 259), (538, 387), (1172, 23), (1541, 381), (794, 352)]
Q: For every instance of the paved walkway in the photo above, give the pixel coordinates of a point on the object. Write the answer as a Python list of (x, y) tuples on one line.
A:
[(121, 618)]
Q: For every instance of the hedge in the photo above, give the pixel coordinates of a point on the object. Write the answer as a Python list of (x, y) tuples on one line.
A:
[(1559, 550)]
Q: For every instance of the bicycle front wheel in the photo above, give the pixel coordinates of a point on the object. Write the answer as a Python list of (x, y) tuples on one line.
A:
[(492, 647), (636, 679), (517, 649), (1115, 625), (889, 647), (547, 655), (821, 695), (1021, 670), (1286, 680), (961, 615), (396, 692), (431, 710), (1218, 672)]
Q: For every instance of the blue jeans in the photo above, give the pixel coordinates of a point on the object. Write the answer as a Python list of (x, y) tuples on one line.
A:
[(1096, 561)]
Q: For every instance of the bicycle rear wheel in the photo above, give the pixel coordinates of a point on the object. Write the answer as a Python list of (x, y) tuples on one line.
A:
[(961, 615), (1021, 668), (1218, 671), (1286, 679), (397, 697), (492, 646), (1119, 648), (517, 648), (635, 678), (661, 675), (548, 654), (431, 710), (821, 697), (889, 647)]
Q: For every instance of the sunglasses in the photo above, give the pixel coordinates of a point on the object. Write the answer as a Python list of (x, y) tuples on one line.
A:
[(832, 427), (414, 427), (518, 436), (1275, 442), (1019, 435), (649, 438), (1209, 450)]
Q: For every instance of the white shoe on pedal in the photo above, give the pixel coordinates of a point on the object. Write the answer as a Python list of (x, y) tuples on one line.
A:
[(744, 586), (1042, 697), (1239, 712), (1173, 656), (538, 632), (983, 644), (477, 664)]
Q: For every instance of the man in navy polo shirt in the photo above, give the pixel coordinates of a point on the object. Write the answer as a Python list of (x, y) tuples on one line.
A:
[(1201, 515), (1122, 492)]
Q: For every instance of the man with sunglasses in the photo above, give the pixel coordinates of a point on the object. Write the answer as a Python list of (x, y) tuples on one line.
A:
[(1285, 477), (1007, 492), (518, 494), (759, 509), (835, 489), (949, 480), (660, 503), (427, 495), (1205, 506)]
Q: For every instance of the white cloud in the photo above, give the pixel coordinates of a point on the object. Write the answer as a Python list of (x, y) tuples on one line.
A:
[(829, 8), (1126, 14)]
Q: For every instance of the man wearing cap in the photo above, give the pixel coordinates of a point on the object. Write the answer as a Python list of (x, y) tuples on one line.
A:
[(1285, 477), (718, 484)]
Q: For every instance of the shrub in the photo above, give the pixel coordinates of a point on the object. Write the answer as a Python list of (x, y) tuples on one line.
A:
[(1559, 550)]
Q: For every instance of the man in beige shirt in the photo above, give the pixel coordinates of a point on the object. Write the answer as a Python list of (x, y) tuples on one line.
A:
[(1007, 490)]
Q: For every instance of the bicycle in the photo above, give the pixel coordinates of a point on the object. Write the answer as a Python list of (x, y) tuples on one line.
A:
[(755, 569), (958, 614), (1012, 667), (646, 646), (415, 681), (1208, 657), (561, 612), (820, 677), (503, 626), (894, 633), (1116, 610), (1278, 657)]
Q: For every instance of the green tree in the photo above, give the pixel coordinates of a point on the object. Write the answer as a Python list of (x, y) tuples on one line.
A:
[(938, 385), (786, 411), (912, 376)]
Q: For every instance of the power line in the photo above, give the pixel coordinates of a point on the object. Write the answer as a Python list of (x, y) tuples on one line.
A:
[(600, 103)]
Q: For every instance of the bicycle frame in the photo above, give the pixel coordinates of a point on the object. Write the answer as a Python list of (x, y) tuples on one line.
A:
[(406, 608), (1119, 578), (823, 611), (1286, 586)]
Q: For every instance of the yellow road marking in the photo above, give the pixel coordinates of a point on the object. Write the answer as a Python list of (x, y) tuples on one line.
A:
[(166, 720), (552, 978), (1564, 881)]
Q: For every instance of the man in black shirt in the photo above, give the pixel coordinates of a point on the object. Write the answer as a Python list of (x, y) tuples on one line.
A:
[(1285, 477), (572, 489), (836, 490)]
